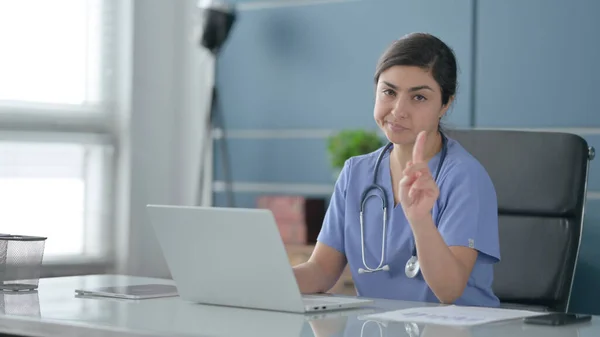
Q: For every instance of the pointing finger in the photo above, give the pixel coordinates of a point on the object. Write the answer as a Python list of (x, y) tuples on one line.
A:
[(419, 148)]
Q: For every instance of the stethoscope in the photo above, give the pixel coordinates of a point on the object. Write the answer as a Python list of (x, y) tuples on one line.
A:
[(412, 267)]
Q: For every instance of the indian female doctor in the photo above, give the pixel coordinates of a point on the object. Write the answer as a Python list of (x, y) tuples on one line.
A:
[(416, 220)]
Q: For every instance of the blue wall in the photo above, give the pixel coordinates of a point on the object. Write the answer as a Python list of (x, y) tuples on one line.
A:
[(524, 64), (535, 67)]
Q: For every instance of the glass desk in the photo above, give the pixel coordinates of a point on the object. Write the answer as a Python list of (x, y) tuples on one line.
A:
[(54, 310)]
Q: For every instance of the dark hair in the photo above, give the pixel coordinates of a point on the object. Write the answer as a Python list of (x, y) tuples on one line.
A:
[(425, 51)]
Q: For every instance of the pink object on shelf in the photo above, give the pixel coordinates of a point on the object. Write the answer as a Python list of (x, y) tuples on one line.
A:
[(289, 213)]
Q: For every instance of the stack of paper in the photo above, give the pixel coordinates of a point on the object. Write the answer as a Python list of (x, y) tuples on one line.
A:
[(452, 315)]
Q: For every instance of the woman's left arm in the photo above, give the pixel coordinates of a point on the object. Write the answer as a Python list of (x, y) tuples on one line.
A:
[(445, 269), (467, 227), (467, 222)]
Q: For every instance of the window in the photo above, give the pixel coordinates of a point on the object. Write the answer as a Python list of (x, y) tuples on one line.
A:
[(51, 51), (52, 190), (56, 118)]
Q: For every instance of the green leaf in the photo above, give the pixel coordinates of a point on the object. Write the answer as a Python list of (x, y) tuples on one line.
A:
[(350, 143)]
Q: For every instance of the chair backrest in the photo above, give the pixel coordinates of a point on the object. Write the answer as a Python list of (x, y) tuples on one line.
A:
[(541, 181)]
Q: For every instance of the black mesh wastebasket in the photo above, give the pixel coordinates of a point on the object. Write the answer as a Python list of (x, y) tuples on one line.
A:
[(20, 262)]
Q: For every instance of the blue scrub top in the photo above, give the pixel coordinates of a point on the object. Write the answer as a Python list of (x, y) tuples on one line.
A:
[(466, 214)]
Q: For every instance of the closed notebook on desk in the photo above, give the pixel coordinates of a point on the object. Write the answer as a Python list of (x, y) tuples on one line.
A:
[(138, 292)]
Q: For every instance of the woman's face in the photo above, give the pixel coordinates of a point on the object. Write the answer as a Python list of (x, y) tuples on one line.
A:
[(408, 100)]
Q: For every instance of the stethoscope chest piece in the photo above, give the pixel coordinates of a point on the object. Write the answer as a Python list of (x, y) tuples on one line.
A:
[(412, 267)]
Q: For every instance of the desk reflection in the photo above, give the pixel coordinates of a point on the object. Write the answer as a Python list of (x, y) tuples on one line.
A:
[(334, 323), (355, 326), (371, 328), (174, 317), (20, 303), (183, 318)]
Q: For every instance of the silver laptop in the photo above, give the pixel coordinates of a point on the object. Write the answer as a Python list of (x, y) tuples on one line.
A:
[(233, 257)]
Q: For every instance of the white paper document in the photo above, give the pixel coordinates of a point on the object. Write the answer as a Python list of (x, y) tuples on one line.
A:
[(452, 315)]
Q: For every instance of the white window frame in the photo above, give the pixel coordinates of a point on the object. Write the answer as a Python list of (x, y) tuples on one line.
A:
[(95, 125)]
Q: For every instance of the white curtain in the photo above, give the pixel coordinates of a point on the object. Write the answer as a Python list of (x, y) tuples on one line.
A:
[(171, 82)]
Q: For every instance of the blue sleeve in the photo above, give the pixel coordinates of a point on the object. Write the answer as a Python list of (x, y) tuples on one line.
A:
[(469, 216), (332, 230)]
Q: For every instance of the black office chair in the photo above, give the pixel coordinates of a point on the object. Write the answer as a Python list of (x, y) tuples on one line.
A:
[(541, 183)]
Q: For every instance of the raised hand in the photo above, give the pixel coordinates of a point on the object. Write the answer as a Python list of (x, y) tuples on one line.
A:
[(418, 190)]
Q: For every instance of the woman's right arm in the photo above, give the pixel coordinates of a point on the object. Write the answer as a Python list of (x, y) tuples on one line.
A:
[(326, 264), (322, 270)]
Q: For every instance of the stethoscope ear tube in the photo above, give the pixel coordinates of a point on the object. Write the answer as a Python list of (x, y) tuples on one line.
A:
[(362, 246)]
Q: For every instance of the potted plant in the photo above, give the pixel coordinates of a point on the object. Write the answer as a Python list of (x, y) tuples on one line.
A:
[(349, 143)]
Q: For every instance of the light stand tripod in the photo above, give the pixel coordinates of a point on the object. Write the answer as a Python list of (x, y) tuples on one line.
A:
[(218, 20)]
